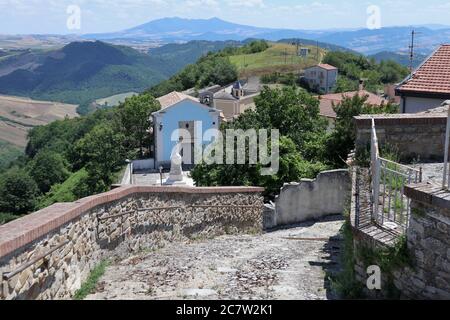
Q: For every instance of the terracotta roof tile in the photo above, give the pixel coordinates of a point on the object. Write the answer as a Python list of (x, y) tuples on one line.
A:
[(326, 66), (433, 76), (173, 98), (327, 101)]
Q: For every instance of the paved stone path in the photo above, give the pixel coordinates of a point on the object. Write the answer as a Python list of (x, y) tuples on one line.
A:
[(284, 264)]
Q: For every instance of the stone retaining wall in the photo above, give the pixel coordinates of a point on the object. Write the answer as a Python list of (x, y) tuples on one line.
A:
[(80, 235), (416, 136)]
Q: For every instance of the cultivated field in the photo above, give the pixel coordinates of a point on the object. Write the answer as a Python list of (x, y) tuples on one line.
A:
[(115, 100), (19, 115), (280, 57)]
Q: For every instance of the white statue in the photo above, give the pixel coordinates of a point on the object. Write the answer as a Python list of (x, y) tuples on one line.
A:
[(176, 170)]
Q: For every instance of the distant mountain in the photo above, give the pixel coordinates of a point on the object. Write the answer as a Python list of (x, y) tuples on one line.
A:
[(395, 39), (179, 29), (81, 72), (402, 59)]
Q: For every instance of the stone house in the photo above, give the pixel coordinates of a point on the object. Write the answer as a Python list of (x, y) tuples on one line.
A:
[(429, 84), (322, 77)]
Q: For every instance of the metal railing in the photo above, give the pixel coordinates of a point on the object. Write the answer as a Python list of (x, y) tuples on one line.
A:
[(390, 207)]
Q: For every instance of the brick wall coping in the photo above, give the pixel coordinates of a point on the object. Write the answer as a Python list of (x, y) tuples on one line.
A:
[(401, 119), (429, 193), (23, 231)]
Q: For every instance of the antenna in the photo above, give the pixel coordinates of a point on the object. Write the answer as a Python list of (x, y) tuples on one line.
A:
[(411, 51)]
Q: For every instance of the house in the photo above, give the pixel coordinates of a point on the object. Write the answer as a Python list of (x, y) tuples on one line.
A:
[(303, 52), (181, 111), (429, 84), (238, 97), (322, 77), (329, 100)]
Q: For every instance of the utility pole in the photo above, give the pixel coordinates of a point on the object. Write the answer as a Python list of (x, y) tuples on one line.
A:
[(411, 52), (317, 57)]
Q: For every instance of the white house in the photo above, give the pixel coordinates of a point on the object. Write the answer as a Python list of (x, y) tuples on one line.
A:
[(321, 77), (180, 111), (429, 84)]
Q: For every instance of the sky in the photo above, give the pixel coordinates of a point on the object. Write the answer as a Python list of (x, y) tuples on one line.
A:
[(51, 16)]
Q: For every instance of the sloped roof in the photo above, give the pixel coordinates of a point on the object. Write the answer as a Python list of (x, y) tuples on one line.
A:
[(433, 76), (325, 66), (224, 95), (173, 98), (327, 101)]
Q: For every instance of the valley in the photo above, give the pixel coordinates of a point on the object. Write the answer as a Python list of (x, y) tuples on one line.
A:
[(19, 115)]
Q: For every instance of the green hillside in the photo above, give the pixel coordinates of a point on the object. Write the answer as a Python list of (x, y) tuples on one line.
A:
[(280, 57), (180, 55), (400, 58), (82, 72)]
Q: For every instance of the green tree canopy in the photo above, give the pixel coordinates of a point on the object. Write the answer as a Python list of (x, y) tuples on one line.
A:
[(18, 192), (103, 153), (134, 120), (47, 169), (342, 140)]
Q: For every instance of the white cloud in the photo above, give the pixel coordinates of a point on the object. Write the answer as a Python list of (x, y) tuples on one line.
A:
[(247, 3)]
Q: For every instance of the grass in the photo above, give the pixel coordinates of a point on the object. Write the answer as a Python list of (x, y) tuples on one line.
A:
[(345, 283), (279, 55), (89, 286), (63, 192)]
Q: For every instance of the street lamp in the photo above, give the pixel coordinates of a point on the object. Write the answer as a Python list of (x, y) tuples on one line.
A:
[(161, 168)]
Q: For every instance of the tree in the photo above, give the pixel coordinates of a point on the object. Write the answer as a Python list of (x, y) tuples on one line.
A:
[(18, 192), (47, 169), (103, 153), (342, 140), (295, 113), (134, 119)]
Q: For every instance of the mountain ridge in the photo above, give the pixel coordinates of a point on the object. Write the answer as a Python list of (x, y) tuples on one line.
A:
[(175, 29)]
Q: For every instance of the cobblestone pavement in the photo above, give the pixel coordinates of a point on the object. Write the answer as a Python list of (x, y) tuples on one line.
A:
[(283, 264)]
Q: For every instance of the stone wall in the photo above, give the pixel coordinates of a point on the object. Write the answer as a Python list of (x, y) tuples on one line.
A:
[(427, 273), (53, 250), (313, 199), (416, 136)]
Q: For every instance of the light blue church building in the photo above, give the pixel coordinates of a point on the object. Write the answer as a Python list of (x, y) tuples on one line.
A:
[(180, 111)]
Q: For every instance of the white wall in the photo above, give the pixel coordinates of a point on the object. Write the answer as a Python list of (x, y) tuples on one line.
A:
[(313, 199), (147, 164)]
